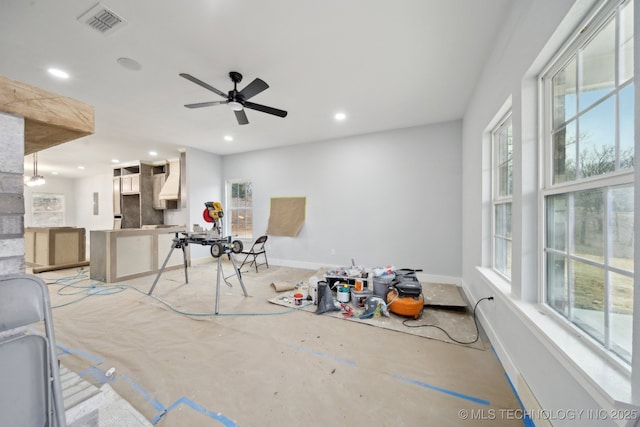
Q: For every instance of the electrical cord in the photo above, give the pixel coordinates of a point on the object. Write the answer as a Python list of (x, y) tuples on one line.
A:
[(475, 321), (100, 289)]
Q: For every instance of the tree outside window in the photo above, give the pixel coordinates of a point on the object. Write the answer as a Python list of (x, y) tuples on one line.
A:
[(240, 210), (589, 190)]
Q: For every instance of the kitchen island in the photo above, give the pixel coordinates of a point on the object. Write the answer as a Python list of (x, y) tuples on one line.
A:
[(117, 255)]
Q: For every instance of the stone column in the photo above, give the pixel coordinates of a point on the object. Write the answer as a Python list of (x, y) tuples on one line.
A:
[(11, 194)]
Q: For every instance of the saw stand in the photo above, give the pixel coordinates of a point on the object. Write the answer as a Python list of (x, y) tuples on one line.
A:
[(219, 247)]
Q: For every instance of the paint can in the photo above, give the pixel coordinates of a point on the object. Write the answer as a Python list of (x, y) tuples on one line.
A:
[(381, 285), (360, 298), (297, 298), (342, 293), (302, 288)]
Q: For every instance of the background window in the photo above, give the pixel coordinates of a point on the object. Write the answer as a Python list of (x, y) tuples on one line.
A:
[(502, 167), (588, 195), (239, 216)]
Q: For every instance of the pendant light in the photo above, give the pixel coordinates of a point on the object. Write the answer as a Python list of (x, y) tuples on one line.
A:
[(36, 179)]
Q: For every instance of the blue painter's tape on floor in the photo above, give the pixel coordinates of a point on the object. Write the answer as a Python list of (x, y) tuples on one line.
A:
[(144, 393), (526, 419), (97, 375), (201, 409), (318, 353), (443, 390), (100, 377), (80, 353)]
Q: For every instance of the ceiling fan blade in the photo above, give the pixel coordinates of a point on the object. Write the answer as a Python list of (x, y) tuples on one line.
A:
[(253, 88), (203, 84), (205, 104), (241, 117), (265, 109)]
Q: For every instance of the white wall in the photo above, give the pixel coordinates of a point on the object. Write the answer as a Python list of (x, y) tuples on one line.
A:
[(204, 184), (384, 198), (84, 189), (530, 36)]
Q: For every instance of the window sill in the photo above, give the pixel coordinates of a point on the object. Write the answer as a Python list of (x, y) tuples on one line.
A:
[(597, 373)]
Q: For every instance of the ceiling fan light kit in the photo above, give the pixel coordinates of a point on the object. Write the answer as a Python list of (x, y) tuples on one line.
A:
[(235, 106), (237, 101)]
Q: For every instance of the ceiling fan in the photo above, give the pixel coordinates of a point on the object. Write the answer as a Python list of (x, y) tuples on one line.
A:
[(237, 100)]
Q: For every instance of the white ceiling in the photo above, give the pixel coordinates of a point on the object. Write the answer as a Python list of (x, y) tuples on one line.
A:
[(386, 64)]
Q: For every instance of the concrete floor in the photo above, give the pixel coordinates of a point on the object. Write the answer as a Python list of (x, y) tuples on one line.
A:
[(258, 364)]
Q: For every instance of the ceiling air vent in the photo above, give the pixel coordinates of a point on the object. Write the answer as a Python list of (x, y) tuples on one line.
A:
[(103, 20)]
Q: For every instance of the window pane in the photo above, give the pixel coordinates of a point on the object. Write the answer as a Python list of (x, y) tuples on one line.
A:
[(241, 225), (621, 227), (241, 216), (502, 239), (505, 162), (621, 317), (564, 154), (597, 140), (235, 194), (597, 67), (557, 222), (557, 290), (503, 220), (564, 94), (588, 299), (588, 224), (502, 256), (626, 114), (626, 43), (589, 234)]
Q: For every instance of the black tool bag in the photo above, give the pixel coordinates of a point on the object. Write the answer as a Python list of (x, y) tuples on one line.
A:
[(408, 288), (406, 283)]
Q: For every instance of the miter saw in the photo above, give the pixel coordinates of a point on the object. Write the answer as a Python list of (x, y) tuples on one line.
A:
[(213, 214)]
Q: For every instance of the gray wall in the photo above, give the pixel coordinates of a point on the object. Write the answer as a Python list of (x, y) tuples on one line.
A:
[(11, 194), (384, 198), (204, 184)]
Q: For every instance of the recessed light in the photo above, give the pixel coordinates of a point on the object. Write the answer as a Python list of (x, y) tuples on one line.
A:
[(58, 73), (228, 138), (115, 161), (54, 173), (81, 167), (340, 116), (153, 153)]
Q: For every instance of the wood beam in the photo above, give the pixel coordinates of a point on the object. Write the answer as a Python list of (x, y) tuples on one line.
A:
[(50, 119)]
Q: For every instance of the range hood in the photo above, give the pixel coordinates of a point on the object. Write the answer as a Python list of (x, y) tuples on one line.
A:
[(171, 188)]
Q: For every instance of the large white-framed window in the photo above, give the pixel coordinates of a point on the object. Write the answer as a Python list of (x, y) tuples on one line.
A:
[(239, 215), (501, 197), (588, 184)]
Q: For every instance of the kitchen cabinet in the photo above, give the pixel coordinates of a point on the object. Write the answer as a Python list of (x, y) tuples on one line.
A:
[(133, 196)]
